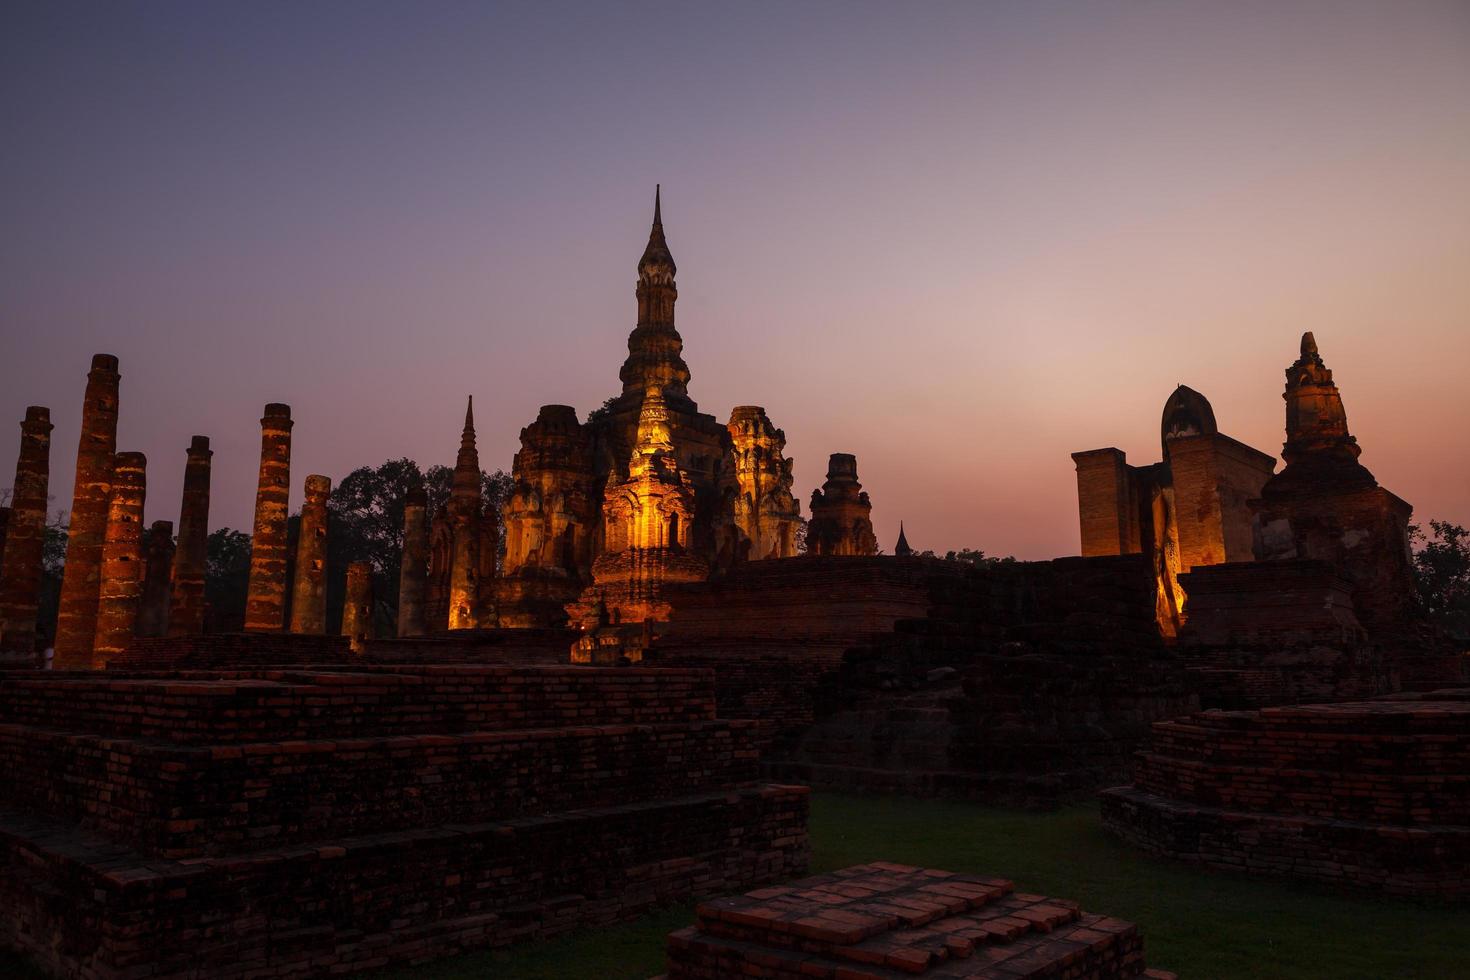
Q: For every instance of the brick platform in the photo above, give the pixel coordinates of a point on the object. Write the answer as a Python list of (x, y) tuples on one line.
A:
[(1373, 794), (887, 921), (305, 821)]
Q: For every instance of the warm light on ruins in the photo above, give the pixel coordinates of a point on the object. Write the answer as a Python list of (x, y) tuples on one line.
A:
[(567, 608)]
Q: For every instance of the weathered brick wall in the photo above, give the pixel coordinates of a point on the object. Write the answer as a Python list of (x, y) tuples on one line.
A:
[(288, 821), (186, 801), (361, 702), (393, 898), (1374, 794)]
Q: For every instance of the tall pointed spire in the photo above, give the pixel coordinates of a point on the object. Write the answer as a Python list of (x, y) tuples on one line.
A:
[(902, 549), (467, 438), (655, 347), (466, 486), (657, 263)]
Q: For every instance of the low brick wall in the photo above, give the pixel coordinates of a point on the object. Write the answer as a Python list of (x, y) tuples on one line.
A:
[(1374, 794)]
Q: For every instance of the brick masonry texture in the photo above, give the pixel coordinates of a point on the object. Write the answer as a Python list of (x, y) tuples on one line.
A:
[(885, 921), (1374, 794), (305, 821)]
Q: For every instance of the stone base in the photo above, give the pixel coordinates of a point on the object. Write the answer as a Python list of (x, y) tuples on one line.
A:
[(885, 921), (210, 650)]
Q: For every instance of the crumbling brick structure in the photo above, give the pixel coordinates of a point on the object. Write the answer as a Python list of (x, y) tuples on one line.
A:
[(1370, 794), (841, 522), (884, 921), (265, 601), (228, 824), (186, 604), (121, 589), (158, 569), (81, 578), (414, 568), (23, 540), (309, 590)]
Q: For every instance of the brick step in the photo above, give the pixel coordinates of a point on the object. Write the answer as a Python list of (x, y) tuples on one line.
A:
[(885, 921), (1025, 786), (188, 801), (1389, 795), (357, 903), (1430, 861), (246, 706)]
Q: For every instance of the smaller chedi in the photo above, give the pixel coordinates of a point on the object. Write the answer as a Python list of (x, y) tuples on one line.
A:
[(766, 512), (1190, 509), (464, 537), (1326, 505), (841, 521), (550, 520)]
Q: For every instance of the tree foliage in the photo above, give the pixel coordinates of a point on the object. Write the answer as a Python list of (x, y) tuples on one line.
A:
[(1442, 576), (226, 580)]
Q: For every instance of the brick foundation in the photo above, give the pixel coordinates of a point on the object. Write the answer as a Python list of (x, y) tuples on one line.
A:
[(279, 822), (1373, 794)]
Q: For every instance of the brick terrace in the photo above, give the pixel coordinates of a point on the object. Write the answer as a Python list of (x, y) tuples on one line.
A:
[(887, 921), (306, 821), (1373, 794)]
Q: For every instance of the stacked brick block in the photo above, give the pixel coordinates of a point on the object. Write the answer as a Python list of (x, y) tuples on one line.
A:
[(888, 921), (277, 822), (1373, 794)]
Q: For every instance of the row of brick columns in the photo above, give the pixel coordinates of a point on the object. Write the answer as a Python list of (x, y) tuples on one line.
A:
[(118, 583)]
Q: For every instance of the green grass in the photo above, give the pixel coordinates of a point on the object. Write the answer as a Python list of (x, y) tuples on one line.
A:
[(1200, 924)]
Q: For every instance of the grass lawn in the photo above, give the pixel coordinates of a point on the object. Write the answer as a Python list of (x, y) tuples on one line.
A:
[(1202, 925)]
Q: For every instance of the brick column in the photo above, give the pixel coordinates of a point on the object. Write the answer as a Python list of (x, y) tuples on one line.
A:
[(122, 560), (413, 570), (186, 605), (157, 575), (265, 601), (357, 612), (25, 536), (76, 622), (309, 591), (1104, 503)]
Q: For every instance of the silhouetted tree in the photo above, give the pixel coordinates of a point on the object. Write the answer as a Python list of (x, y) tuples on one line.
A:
[(1442, 575), (226, 580)]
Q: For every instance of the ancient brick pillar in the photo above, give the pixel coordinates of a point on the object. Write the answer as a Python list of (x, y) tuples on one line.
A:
[(25, 536), (414, 568), (309, 592), (121, 588), (186, 605), (76, 622), (159, 559), (357, 612), (265, 600)]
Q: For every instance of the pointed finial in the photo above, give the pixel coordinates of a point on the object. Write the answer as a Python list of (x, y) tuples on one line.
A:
[(468, 438), (658, 218), (1309, 344)]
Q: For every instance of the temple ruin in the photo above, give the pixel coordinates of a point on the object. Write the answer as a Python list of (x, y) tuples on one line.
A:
[(186, 602), (309, 590), (841, 521), (1188, 510)]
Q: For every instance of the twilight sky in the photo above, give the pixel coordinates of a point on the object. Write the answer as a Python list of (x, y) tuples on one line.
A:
[(958, 240)]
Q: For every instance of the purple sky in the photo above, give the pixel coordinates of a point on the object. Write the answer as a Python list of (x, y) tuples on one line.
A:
[(960, 241)]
